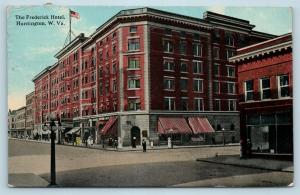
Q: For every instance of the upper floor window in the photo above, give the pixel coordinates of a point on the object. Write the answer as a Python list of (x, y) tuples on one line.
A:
[(134, 83), (183, 66), (197, 49), (184, 105), (265, 90), (133, 63), (231, 88), (114, 86), (284, 86), (133, 29), (183, 84), (133, 44), (198, 104), (168, 46), (229, 53), (216, 53), (216, 69), (182, 47), (198, 85), (169, 65), (249, 90), (216, 87), (134, 104), (197, 67), (229, 39), (217, 104), (168, 31), (169, 103), (232, 105), (169, 84), (230, 71)]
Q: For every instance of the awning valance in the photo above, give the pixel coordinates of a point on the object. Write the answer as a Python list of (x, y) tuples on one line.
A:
[(173, 125), (110, 126), (200, 125), (74, 130)]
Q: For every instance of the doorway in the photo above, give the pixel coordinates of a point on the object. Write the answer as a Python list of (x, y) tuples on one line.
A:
[(136, 132)]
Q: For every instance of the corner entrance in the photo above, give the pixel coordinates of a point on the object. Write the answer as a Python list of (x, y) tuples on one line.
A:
[(135, 132)]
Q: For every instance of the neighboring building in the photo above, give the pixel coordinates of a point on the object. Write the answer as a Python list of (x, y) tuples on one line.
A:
[(12, 123), (266, 94), (144, 70), (20, 122), (29, 114)]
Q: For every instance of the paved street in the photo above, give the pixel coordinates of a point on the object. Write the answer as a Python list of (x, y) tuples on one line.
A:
[(91, 167)]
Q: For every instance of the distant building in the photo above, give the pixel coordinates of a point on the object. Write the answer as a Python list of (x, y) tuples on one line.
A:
[(147, 73), (29, 114), (11, 122), (266, 94), (20, 123)]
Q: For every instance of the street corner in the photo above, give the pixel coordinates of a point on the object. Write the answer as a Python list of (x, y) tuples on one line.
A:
[(23, 180)]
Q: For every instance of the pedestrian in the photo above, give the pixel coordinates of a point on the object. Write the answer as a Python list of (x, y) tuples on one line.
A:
[(144, 145), (133, 142), (72, 138), (91, 140), (116, 143), (249, 148)]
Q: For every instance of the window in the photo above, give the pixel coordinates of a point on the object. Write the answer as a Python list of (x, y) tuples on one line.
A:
[(249, 91), (231, 105), (114, 68), (182, 47), (197, 67), (183, 84), (216, 69), (168, 31), (265, 88), (231, 88), (216, 87), (229, 39), (216, 52), (197, 49), (196, 36), (114, 50), (168, 65), (169, 84), (133, 83), (198, 85), (199, 106), (168, 46), (169, 103), (133, 44), (134, 104), (229, 53), (183, 66), (283, 90), (133, 29), (114, 86), (217, 104), (184, 103), (133, 63), (230, 71)]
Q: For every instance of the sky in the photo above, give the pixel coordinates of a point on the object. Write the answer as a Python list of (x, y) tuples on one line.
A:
[(30, 49)]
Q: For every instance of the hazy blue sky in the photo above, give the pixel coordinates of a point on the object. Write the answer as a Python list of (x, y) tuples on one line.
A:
[(32, 48)]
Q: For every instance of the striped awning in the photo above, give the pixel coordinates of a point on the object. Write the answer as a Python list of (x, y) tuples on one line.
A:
[(110, 127), (168, 125), (74, 130), (200, 125)]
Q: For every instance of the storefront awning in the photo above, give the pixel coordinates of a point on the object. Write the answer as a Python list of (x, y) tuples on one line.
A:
[(200, 125), (173, 126), (110, 126), (74, 130)]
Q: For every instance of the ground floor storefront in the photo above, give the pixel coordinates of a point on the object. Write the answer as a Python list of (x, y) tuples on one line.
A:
[(158, 128)]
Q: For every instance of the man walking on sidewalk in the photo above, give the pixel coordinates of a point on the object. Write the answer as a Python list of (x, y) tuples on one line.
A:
[(144, 145)]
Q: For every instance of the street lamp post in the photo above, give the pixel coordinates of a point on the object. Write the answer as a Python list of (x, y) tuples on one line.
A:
[(223, 130), (52, 126)]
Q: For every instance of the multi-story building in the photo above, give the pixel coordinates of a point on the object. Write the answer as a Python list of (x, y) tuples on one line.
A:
[(29, 114), (266, 96), (21, 122), (146, 73), (12, 123)]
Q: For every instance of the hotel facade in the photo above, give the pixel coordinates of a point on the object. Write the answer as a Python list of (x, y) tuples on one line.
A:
[(145, 74)]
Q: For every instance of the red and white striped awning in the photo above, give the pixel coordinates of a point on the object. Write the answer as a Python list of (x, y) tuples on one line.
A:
[(168, 125), (200, 125), (110, 127)]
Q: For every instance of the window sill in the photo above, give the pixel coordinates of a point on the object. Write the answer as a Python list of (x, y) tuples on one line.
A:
[(132, 89)]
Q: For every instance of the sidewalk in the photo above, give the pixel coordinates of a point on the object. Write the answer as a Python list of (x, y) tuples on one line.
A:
[(129, 148), (23, 180), (257, 163)]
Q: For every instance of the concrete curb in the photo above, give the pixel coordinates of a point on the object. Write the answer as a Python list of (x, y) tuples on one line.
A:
[(247, 166), (131, 149)]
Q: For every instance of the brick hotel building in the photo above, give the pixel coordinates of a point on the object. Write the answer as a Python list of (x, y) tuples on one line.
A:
[(146, 73)]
